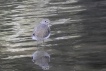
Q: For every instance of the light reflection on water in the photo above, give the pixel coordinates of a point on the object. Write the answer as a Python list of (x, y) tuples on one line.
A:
[(77, 39)]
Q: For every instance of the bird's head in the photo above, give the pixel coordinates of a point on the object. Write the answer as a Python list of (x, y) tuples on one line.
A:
[(45, 21)]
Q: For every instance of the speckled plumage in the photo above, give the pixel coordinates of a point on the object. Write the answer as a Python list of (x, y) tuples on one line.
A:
[(42, 31)]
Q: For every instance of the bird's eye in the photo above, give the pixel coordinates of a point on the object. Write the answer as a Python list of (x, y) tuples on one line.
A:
[(32, 57)]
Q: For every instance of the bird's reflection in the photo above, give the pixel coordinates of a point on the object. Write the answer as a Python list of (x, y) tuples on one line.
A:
[(41, 58)]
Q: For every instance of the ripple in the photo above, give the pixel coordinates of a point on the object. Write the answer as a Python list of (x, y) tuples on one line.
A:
[(17, 56)]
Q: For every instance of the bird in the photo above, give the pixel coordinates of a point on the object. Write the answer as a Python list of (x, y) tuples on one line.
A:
[(41, 58), (42, 31)]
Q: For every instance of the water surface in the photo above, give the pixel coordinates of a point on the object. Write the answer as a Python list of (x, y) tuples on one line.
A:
[(77, 41)]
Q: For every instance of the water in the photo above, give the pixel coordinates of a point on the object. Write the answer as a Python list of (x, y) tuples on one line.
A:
[(77, 41)]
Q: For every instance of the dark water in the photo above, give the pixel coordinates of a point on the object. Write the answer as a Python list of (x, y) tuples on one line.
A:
[(78, 36)]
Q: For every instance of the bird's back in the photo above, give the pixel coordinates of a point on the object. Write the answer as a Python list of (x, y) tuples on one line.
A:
[(41, 31)]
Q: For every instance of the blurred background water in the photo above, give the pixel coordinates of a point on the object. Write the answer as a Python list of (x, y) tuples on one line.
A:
[(78, 34)]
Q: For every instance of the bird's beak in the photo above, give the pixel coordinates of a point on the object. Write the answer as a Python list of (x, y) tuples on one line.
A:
[(50, 24)]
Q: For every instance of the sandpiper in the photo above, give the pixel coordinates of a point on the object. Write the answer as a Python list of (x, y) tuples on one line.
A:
[(42, 31)]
